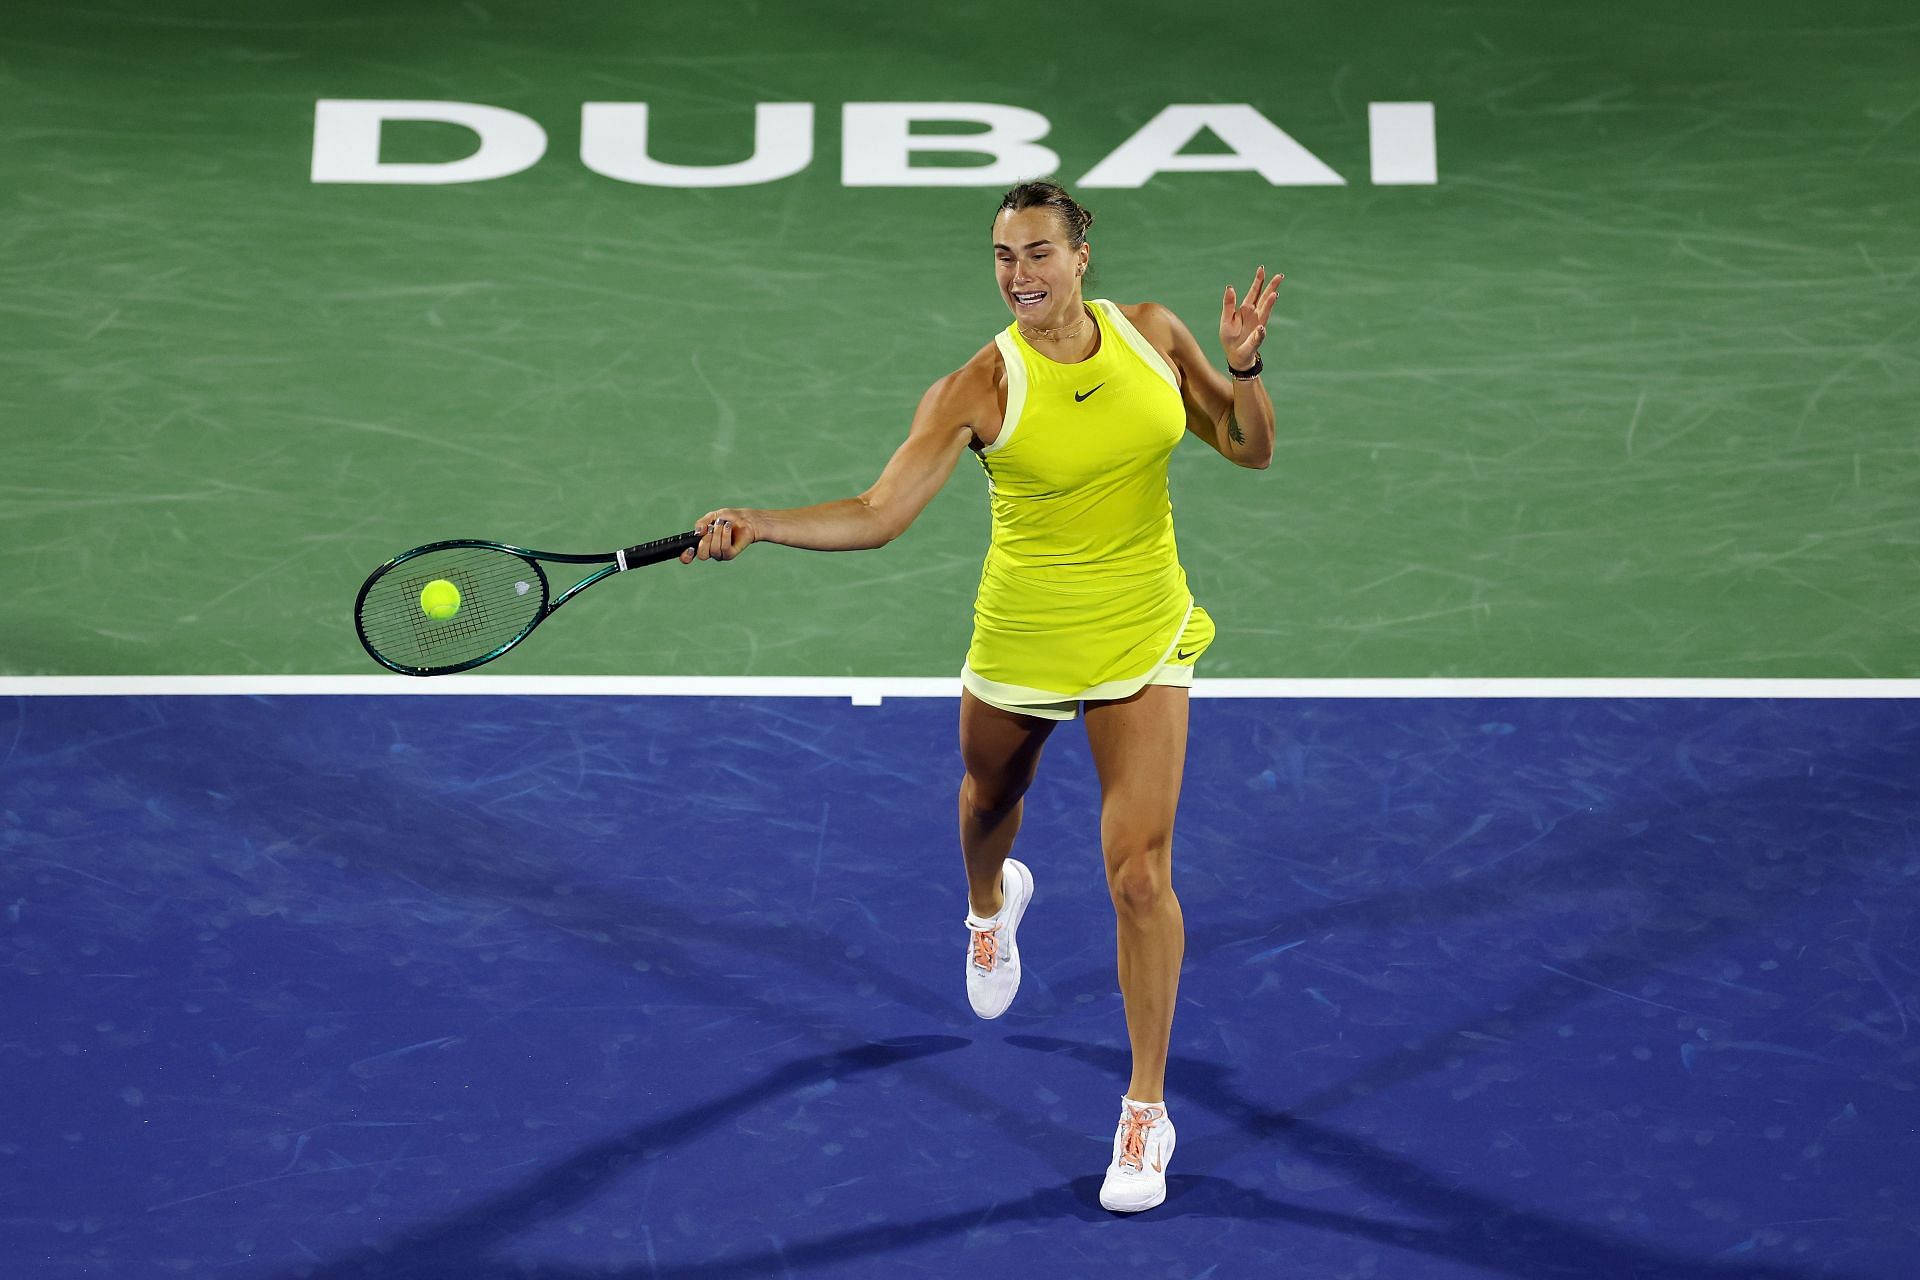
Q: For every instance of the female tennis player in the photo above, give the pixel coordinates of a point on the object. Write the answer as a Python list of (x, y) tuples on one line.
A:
[(1073, 412)]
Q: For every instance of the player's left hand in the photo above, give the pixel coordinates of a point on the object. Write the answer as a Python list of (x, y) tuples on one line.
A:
[(1243, 325)]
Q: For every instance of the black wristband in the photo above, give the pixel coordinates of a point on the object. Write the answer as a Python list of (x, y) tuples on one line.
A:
[(1247, 375)]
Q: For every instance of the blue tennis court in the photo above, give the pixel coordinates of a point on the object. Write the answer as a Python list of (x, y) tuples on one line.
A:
[(490, 987)]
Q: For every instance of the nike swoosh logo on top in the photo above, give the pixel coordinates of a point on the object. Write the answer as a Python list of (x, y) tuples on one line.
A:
[(1078, 396), (1183, 657)]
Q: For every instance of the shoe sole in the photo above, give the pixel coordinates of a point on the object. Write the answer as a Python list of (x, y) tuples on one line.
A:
[(1135, 1208), (1013, 942)]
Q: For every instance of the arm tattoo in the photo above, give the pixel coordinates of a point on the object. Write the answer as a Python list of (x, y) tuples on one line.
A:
[(1233, 428)]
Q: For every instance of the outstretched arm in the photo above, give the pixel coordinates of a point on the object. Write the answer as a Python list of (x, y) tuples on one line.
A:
[(942, 428), (1234, 415)]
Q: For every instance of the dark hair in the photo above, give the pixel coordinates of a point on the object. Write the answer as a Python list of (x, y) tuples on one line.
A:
[(1051, 195)]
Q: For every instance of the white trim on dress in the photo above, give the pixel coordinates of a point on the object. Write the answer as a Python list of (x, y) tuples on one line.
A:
[(1016, 390), (1147, 352)]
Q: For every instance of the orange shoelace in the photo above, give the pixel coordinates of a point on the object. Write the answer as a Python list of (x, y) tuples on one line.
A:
[(1133, 1141), (986, 947)]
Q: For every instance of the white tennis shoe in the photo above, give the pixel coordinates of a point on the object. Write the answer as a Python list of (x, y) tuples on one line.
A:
[(993, 956), (1142, 1146)]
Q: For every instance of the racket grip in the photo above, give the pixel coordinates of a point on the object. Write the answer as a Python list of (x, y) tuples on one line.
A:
[(657, 550)]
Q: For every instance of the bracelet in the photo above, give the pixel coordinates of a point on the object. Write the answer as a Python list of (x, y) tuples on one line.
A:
[(1247, 375)]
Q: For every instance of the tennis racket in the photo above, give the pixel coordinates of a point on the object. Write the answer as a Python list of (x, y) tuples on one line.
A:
[(504, 595)]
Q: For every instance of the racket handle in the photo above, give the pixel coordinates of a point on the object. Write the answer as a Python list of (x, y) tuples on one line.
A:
[(657, 550)]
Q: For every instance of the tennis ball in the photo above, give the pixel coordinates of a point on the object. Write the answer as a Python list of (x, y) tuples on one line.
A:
[(439, 599)]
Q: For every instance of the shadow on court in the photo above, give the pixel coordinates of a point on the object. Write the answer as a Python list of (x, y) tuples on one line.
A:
[(1477, 1230), (448, 1248)]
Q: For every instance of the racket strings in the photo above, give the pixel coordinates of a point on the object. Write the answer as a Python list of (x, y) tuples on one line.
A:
[(501, 596)]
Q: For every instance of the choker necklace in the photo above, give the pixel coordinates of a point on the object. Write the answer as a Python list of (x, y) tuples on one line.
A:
[(1055, 335)]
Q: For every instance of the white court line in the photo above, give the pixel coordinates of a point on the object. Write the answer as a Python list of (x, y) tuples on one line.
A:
[(871, 691)]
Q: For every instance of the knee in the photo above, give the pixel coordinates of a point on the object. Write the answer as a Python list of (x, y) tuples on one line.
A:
[(988, 800), (1141, 885)]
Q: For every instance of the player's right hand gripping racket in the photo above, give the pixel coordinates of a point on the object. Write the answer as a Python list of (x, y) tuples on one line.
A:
[(503, 596)]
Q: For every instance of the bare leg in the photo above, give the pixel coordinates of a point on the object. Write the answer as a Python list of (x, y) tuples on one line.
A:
[(1139, 749), (1001, 751)]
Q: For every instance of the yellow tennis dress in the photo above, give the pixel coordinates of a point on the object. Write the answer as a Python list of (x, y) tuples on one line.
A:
[(1082, 595)]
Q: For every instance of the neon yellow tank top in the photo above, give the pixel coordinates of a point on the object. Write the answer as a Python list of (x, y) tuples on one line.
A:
[(1082, 594)]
